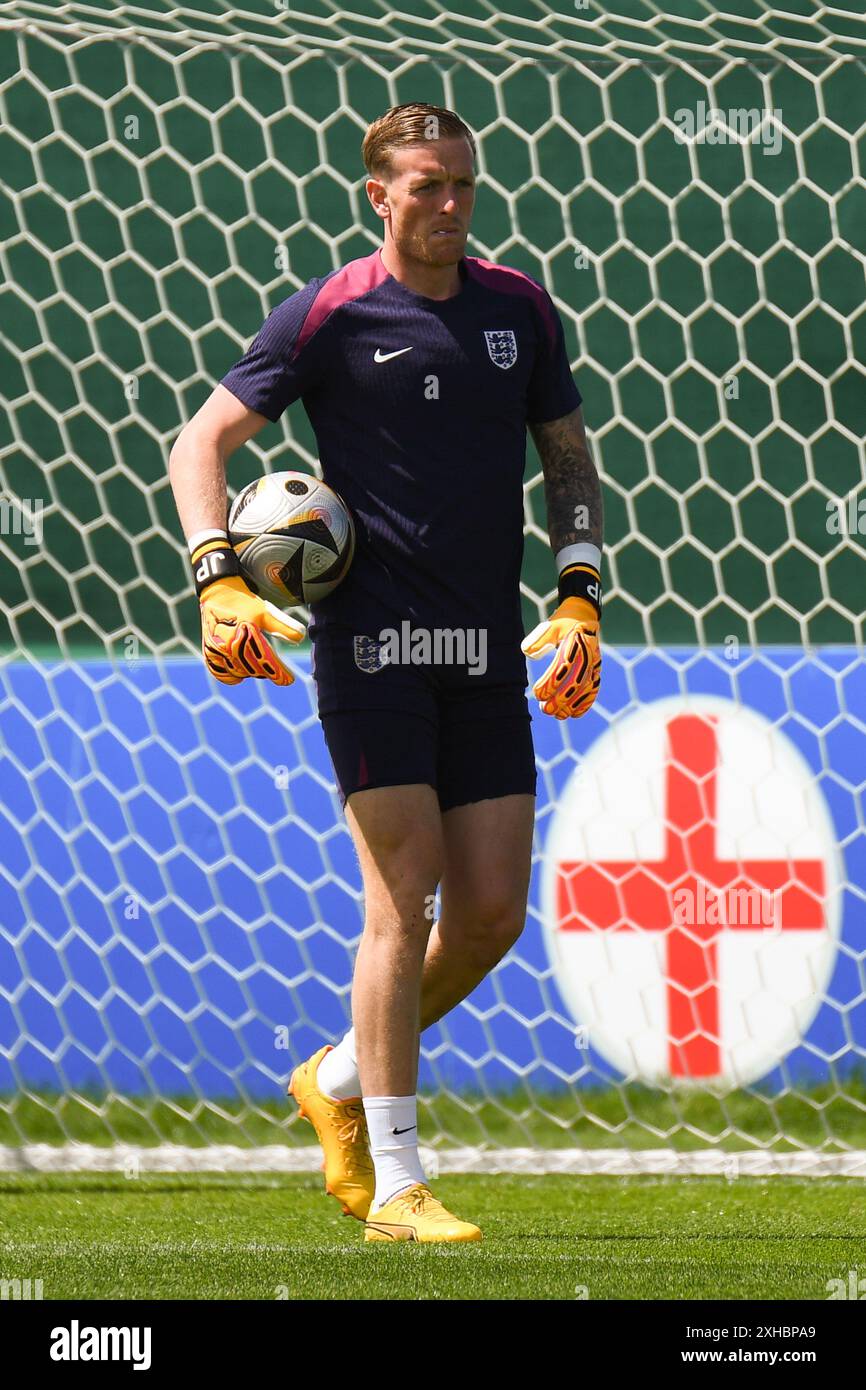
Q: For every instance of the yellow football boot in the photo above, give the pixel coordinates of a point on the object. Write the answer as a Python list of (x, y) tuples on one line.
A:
[(341, 1126), (417, 1215)]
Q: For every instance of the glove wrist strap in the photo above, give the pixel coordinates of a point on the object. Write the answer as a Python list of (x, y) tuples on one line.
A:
[(213, 557), (581, 581)]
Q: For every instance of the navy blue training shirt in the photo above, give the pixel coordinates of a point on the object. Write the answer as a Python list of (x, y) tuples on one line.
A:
[(419, 408)]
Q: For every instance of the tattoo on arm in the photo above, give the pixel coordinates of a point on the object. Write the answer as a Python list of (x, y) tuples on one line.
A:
[(571, 485)]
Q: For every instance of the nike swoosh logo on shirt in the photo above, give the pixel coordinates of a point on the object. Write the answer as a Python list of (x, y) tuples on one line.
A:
[(402, 1131), (380, 356)]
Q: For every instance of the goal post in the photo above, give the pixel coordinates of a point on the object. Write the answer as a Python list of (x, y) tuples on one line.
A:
[(179, 899)]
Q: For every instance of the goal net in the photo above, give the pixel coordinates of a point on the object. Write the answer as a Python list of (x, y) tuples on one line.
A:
[(179, 898)]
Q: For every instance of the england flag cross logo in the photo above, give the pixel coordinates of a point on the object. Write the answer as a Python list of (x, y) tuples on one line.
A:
[(501, 346), (691, 893)]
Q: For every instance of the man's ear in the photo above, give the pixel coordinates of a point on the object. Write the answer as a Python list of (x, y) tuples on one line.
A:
[(378, 195)]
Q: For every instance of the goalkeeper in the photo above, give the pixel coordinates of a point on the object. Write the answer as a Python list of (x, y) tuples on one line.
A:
[(420, 368)]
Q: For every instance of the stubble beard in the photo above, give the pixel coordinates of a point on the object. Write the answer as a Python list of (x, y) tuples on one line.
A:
[(419, 246)]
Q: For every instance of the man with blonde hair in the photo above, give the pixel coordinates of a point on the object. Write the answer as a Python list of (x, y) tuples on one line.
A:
[(420, 368)]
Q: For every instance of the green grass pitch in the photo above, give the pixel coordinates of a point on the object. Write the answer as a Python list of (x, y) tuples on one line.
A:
[(269, 1236), (829, 1117)]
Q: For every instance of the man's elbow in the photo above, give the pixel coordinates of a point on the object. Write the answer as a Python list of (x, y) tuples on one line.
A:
[(173, 451), (179, 448)]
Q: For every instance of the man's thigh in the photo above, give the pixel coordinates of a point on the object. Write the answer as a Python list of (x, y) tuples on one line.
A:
[(397, 833), (488, 860)]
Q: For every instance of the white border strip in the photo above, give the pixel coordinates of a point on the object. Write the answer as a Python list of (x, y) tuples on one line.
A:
[(278, 1158)]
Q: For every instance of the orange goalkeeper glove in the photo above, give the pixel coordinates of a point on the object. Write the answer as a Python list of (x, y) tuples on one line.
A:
[(234, 620), (570, 684)]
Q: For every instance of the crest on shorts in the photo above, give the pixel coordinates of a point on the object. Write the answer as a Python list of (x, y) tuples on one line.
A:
[(502, 346), (368, 654)]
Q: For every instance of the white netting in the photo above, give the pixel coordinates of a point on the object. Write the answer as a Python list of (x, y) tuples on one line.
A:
[(179, 901)]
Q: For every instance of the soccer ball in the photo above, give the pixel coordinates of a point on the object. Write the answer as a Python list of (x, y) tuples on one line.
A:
[(294, 538)]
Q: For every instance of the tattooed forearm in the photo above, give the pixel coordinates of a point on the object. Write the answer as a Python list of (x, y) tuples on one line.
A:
[(571, 486)]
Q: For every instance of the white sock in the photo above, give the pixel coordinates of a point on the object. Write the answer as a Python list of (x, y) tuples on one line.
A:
[(392, 1122), (338, 1070)]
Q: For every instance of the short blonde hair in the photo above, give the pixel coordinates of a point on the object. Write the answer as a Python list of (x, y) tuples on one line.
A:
[(413, 123)]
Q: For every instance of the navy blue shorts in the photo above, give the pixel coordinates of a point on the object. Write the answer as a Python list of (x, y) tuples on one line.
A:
[(467, 736)]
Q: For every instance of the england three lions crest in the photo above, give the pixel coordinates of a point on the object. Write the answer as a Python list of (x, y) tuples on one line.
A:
[(369, 656), (502, 347)]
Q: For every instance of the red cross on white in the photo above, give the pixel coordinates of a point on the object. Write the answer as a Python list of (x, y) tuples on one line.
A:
[(740, 863)]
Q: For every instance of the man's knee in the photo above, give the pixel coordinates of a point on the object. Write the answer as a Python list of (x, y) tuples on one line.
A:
[(403, 888), (485, 928)]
